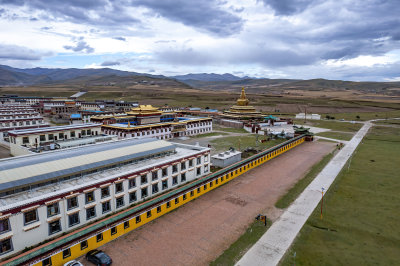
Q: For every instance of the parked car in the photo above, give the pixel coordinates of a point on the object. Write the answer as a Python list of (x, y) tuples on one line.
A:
[(73, 263), (98, 257)]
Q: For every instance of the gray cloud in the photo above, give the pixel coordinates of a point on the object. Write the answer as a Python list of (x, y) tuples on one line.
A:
[(110, 63), (81, 46), (288, 7), (205, 15), (14, 52), (119, 38)]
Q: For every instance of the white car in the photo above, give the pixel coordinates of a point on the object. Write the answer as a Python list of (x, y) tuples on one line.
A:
[(73, 263)]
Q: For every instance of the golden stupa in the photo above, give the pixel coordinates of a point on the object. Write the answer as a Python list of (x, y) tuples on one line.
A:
[(242, 109)]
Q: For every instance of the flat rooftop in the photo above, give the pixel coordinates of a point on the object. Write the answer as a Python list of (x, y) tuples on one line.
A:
[(182, 120), (22, 198), (21, 132)]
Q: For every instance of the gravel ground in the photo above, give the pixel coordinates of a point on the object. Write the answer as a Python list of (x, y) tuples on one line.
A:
[(201, 230)]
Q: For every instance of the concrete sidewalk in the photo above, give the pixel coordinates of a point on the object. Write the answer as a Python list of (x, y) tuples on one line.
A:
[(271, 247)]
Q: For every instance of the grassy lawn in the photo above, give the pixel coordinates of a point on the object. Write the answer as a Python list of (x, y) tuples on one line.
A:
[(229, 129), (336, 135), (210, 134), (296, 190), (361, 210), (389, 122), (330, 124), (231, 255), (242, 142), (364, 116)]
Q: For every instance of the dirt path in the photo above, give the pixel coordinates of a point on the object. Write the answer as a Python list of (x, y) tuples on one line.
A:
[(201, 230)]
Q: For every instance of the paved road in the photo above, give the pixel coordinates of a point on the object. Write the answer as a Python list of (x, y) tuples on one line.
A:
[(271, 247)]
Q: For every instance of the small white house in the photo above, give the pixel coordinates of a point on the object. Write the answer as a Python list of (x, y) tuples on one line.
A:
[(227, 158)]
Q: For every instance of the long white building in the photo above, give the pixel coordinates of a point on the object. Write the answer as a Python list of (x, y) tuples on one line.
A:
[(45, 195)]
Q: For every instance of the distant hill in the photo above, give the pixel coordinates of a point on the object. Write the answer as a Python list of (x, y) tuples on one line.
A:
[(31, 76), (209, 77)]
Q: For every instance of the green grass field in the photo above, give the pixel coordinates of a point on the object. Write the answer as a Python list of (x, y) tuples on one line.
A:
[(389, 122), (336, 135), (364, 116), (210, 134), (229, 129), (231, 255), (242, 142), (330, 124), (361, 210), (296, 190)]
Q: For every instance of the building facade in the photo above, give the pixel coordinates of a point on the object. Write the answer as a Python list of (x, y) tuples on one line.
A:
[(46, 195)]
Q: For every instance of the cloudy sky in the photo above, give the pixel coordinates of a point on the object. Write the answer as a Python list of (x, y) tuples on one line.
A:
[(333, 39)]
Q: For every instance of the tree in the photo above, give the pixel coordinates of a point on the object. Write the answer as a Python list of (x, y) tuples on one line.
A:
[(358, 117)]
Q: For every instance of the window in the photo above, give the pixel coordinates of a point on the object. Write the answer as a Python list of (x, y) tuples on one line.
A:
[(158, 209), (132, 183), (61, 135), (66, 253), (191, 193), (4, 226), (168, 204), (73, 219), (53, 209), (211, 183), (54, 227), (72, 134), (155, 188), (105, 192), (174, 168), (143, 179), (119, 187), (113, 230), (149, 214), (120, 202), (51, 136), (164, 172), (138, 219), (25, 140), (90, 213), (164, 184), (46, 262), (198, 190), (176, 200), (132, 196), (184, 197), (30, 217), (144, 192), (72, 203), (42, 137), (5, 246), (205, 169), (198, 160), (183, 166), (174, 180), (183, 177), (126, 224), (190, 163), (154, 175), (198, 171), (99, 237), (216, 181), (106, 206), (84, 244), (83, 132), (206, 158), (89, 197), (205, 186), (89, 132)]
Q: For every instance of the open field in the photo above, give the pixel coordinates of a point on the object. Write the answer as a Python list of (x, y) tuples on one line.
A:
[(330, 124), (198, 232), (242, 142), (360, 222), (336, 135)]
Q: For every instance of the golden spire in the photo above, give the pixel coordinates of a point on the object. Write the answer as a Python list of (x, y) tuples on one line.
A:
[(242, 101)]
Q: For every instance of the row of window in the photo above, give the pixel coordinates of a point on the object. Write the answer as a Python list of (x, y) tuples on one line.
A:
[(22, 123), (61, 135)]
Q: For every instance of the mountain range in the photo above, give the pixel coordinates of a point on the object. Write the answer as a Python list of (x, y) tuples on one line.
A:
[(10, 76)]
